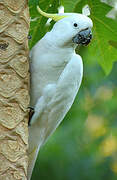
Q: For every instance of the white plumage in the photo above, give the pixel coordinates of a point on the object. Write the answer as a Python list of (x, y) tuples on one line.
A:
[(56, 75)]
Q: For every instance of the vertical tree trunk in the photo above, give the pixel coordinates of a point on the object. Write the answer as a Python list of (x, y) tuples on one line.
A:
[(14, 95)]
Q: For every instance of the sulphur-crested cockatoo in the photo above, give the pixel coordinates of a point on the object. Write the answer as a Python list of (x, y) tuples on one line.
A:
[(56, 75)]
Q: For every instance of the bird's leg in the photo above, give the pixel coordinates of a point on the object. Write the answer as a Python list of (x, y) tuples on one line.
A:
[(31, 112), (42, 102), (38, 109)]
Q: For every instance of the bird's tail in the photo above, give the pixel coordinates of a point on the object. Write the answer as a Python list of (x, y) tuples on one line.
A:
[(35, 142), (31, 162)]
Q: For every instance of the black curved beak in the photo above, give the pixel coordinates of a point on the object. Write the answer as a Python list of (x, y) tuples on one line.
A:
[(83, 37)]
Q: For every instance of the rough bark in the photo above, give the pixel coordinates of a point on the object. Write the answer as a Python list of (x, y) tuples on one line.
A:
[(14, 95)]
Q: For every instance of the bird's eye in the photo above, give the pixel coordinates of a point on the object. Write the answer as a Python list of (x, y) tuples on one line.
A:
[(75, 24)]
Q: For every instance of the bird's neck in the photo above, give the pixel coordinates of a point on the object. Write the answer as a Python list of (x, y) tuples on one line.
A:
[(57, 41)]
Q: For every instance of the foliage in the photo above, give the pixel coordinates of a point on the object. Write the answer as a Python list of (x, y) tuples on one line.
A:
[(84, 147)]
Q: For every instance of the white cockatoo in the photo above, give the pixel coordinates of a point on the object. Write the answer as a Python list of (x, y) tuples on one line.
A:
[(56, 75)]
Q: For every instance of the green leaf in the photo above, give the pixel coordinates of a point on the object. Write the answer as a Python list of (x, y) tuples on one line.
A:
[(37, 25), (69, 5), (104, 31), (113, 43)]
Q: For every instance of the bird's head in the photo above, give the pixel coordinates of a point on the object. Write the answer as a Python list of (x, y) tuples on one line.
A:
[(71, 28)]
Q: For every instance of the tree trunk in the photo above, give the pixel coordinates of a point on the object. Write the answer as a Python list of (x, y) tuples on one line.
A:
[(14, 95)]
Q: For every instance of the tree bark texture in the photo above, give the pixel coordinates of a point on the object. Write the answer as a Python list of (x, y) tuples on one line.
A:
[(14, 85)]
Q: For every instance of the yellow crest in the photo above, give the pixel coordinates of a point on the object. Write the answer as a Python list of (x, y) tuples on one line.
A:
[(55, 17)]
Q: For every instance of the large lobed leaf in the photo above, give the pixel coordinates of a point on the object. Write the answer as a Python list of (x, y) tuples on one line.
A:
[(104, 44), (37, 25)]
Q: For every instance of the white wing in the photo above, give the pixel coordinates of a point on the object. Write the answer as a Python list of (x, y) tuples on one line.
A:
[(56, 107)]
